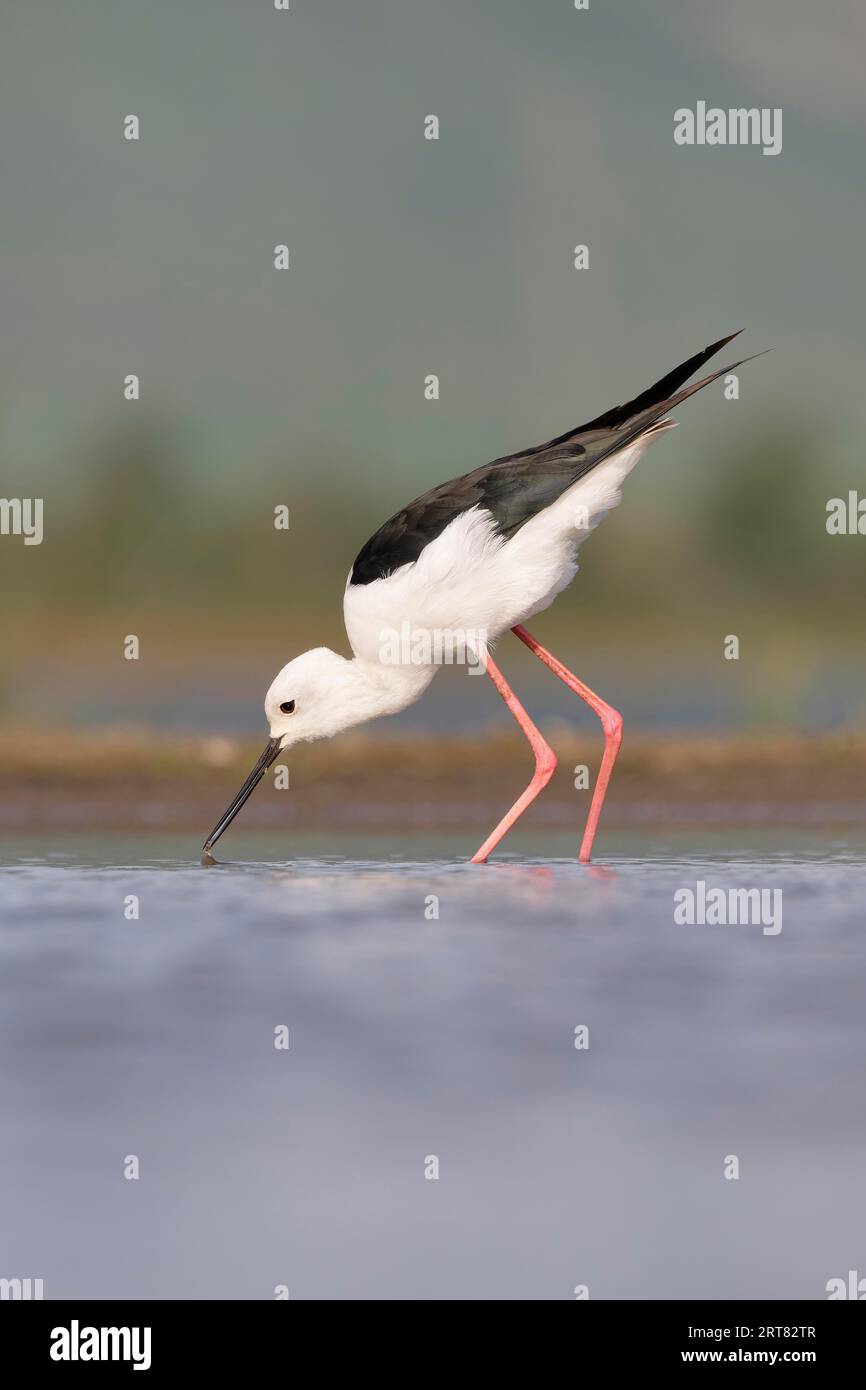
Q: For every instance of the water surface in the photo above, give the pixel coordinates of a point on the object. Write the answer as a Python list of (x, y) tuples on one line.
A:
[(414, 1035)]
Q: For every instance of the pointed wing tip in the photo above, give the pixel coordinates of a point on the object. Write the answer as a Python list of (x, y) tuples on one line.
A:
[(751, 358), (714, 347)]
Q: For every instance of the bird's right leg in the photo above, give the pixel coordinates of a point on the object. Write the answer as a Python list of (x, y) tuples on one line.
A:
[(611, 722), (545, 762)]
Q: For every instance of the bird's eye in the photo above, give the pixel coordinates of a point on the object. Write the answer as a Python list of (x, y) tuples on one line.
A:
[(287, 707)]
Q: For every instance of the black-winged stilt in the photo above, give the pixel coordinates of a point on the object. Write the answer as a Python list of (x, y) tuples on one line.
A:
[(478, 555)]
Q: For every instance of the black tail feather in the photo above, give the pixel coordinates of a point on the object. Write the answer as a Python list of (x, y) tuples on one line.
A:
[(641, 408), (661, 391), (645, 420)]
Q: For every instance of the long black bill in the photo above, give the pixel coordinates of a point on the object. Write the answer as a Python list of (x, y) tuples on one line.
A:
[(271, 749)]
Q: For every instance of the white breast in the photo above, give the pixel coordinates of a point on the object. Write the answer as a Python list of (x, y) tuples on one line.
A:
[(470, 578)]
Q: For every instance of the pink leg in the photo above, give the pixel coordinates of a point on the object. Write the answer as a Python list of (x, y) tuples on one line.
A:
[(611, 722), (545, 762)]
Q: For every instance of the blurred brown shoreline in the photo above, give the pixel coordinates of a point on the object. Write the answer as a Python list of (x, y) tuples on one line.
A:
[(131, 780)]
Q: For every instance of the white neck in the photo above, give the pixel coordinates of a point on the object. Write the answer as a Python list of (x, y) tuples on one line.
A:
[(364, 690)]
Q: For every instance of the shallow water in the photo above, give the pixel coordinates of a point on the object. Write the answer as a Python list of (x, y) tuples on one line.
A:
[(413, 1036)]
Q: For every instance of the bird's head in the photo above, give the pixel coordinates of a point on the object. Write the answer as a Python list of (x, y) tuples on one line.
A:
[(315, 696), (312, 697)]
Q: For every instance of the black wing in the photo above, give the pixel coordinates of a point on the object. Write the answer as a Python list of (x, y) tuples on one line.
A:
[(518, 486)]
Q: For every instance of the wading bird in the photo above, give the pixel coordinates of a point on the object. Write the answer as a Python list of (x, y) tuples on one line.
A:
[(481, 554)]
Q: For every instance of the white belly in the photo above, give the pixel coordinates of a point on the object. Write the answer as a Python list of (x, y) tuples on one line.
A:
[(469, 578)]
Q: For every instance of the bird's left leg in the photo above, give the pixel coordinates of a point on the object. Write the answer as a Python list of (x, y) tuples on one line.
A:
[(545, 762), (611, 722)]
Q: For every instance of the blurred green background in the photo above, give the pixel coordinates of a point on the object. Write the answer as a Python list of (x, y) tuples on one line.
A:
[(408, 257)]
